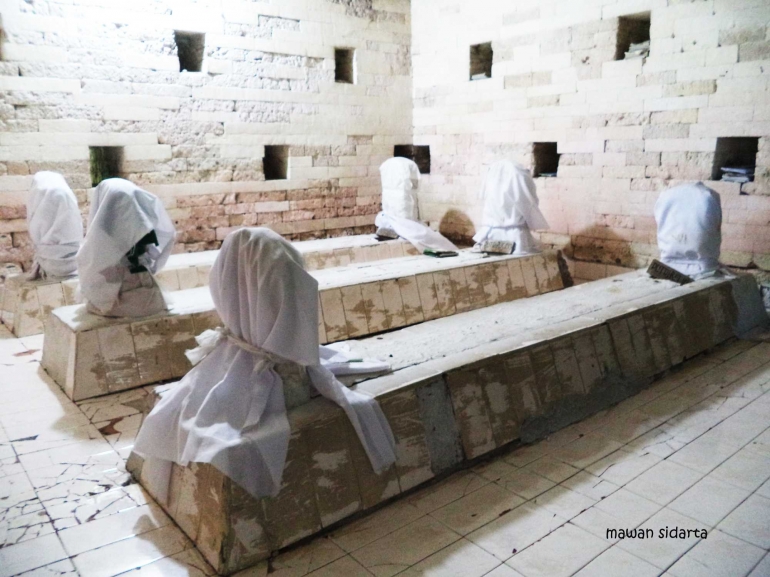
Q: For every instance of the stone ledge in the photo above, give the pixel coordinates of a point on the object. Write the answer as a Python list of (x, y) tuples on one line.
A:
[(25, 304), (451, 402), (89, 355)]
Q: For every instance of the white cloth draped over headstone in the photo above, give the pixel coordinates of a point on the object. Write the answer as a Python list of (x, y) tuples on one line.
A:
[(55, 226), (230, 409), (400, 213), (511, 208), (689, 219), (121, 215)]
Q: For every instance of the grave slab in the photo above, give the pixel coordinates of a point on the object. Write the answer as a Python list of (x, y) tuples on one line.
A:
[(462, 386), (90, 355), (25, 304)]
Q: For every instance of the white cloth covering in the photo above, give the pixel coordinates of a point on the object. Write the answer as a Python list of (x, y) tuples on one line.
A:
[(689, 219), (121, 215), (511, 208), (400, 213), (55, 226), (230, 410)]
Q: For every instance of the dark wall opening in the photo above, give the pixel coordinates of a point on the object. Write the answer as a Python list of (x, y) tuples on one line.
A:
[(276, 162), (344, 65), (105, 162), (633, 33), (546, 159), (190, 47), (738, 154), (481, 61), (418, 153)]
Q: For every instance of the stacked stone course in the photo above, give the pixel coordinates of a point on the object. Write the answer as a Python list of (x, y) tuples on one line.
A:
[(80, 74), (625, 129), (76, 74)]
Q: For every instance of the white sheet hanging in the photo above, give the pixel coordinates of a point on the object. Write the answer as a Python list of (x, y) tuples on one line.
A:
[(511, 208), (400, 180), (121, 214), (229, 410), (689, 218), (55, 226), (400, 213)]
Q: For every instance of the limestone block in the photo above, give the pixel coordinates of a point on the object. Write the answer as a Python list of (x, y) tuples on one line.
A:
[(546, 378), (410, 298), (471, 412), (412, 454), (500, 400), (119, 354), (28, 303), (446, 406), (567, 368)]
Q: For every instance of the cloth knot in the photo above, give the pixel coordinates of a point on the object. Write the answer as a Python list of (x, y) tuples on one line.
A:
[(209, 339)]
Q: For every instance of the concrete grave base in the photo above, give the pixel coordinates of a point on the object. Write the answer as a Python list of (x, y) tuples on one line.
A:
[(25, 304), (90, 355), (513, 371)]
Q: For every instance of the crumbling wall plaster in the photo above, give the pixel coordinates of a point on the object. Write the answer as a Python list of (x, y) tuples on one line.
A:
[(625, 129), (77, 74)]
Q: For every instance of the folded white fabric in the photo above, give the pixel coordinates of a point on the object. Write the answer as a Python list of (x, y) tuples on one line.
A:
[(121, 215), (230, 410), (689, 219), (511, 208), (55, 226), (338, 359), (400, 213)]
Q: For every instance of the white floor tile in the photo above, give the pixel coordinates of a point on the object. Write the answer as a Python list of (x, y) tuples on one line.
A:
[(614, 562), (477, 509), (443, 493), (403, 548), (30, 555), (664, 551), (362, 532), (750, 521), (460, 559), (718, 556), (664, 482), (560, 554), (526, 485), (709, 500), (564, 502), (131, 553), (516, 530), (101, 532)]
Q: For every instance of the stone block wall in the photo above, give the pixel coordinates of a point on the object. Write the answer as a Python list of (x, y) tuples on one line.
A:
[(78, 74), (625, 129), (75, 74)]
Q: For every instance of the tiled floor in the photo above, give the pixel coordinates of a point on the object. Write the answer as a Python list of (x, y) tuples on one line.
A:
[(692, 452)]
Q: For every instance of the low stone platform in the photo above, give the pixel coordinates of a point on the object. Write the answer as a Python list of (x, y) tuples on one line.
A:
[(25, 304), (90, 355), (462, 387)]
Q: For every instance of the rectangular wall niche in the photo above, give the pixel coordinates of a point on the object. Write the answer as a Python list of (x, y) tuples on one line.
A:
[(546, 159), (417, 153), (739, 154), (481, 61), (190, 47), (276, 162), (106, 162), (345, 65), (633, 40)]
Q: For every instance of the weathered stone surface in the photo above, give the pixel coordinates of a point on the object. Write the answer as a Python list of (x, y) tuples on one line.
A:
[(24, 305), (263, 79), (452, 401), (128, 353)]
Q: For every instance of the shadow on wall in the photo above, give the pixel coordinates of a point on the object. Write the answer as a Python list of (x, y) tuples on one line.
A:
[(457, 227), (599, 249), (602, 245)]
